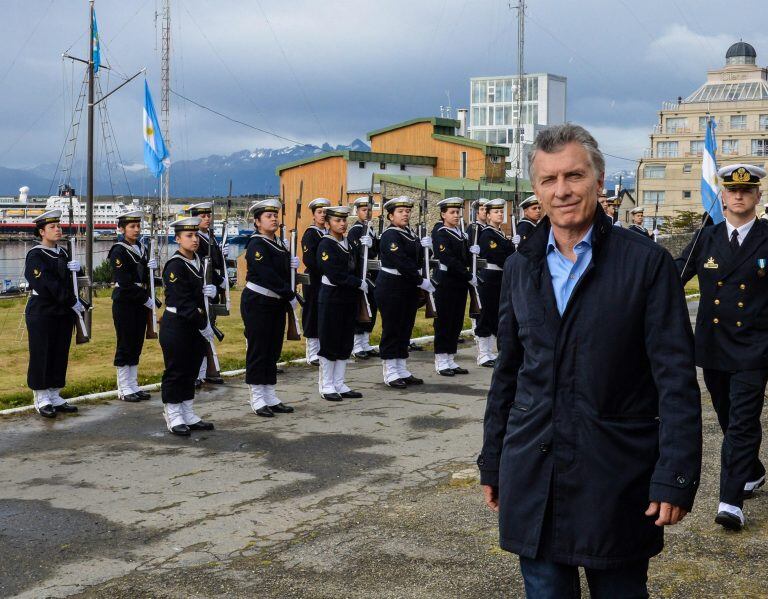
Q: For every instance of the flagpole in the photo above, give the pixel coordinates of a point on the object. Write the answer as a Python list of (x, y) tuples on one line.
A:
[(89, 175)]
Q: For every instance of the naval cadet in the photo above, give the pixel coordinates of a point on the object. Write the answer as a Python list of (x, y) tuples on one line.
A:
[(452, 280), (495, 247), (638, 213), (208, 246), (362, 348), (339, 297), (397, 291), (184, 330), (131, 302), (480, 221), (764, 215), (309, 242), (531, 217), (731, 261), (50, 315), (266, 300)]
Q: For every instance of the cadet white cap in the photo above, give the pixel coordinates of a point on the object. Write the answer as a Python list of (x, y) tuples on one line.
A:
[(189, 223), (319, 203), (201, 208)]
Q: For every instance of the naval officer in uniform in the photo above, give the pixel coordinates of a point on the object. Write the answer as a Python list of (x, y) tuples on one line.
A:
[(731, 261), (481, 218), (50, 315), (130, 302), (184, 330), (309, 242), (638, 213), (362, 348), (265, 301), (531, 217)]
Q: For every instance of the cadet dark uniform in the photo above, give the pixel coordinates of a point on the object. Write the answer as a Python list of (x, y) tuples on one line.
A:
[(362, 346), (397, 296), (309, 242), (50, 318), (264, 304), (130, 296), (340, 291), (639, 229), (732, 344), (525, 226), (180, 336)]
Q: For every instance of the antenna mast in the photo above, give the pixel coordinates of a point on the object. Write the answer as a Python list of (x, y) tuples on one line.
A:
[(165, 113), (520, 95)]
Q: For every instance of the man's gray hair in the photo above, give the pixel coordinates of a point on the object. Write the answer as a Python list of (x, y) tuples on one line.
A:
[(552, 139)]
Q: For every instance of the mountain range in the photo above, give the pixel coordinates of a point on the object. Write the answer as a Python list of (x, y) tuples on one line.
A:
[(251, 172)]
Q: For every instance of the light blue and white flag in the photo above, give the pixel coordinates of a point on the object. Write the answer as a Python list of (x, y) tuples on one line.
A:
[(155, 152), (96, 58), (710, 188)]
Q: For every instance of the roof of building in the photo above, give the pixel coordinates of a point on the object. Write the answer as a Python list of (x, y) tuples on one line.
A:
[(488, 149), (464, 188), (741, 49), (437, 122), (357, 156), (729, 92)]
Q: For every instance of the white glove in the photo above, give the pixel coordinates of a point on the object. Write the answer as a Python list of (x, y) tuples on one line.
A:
[(426, 242), (209, 291), (295, 263), (73, 265), (364, 286), (225, 250), (294, 304), (152, 264), (207, 333), (79, 308), (473, 281), (286, 244), (366, 240), (474, 249), (150, 303), (427, 286), (516, 239), (655, 232)]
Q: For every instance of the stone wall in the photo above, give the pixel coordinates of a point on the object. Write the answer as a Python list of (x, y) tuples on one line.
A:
[(393, 190), (675, 242)]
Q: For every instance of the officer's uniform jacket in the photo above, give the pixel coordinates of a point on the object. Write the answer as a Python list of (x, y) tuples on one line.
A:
[(183, 283), (525, 228), (451, 249), (732, 319), (309, 242), (340, 283), (495, 247), (268, 265), (50, 280), (400, 249), (129, 273), (639, 229)]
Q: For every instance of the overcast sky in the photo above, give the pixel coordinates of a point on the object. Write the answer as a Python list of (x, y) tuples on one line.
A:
[(331, 71)]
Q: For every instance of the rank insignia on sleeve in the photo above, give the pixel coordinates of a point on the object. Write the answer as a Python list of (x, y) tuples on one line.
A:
[(393, 246), (442, 247), (36, 272), (324, 256), (118, 264), (304, 248), (711, 263), (172, 277), (257, 256), (493, 245)]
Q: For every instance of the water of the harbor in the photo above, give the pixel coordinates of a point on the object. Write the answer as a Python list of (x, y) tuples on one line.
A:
[(12, 255)]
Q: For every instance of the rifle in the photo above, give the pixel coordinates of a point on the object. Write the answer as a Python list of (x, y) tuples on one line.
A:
[(282, 216), (212, 369), (294, 332), (223, 309), (430, 308), (341, 195), (364, 313), (81, 330), (475, 305), (152, 314)]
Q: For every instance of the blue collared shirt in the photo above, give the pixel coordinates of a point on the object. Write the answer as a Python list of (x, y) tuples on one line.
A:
[(565, 274)]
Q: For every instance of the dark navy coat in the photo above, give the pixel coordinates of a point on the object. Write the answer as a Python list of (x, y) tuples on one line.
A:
[(337, 264), (130, 272), (451, 249), (45, 269), (525, 228), (732, 320), (597, 411)]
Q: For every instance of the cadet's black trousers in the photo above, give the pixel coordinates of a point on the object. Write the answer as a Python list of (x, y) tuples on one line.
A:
[(49, 340), (264, 318), (309, 310), (738, 400), (398, 301), (451, 304), (130, 326), (490, 292), (183, 349)]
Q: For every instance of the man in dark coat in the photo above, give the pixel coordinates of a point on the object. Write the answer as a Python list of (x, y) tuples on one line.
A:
[(731, 261), (592, 434)]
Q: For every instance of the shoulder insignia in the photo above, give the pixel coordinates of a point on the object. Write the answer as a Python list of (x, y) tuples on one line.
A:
[(172, 277), (393, 246), (304, 247), (324, 256), (36, 272), (257, 256), (493, 245), (442, 247), (711, 263), (118, 263)]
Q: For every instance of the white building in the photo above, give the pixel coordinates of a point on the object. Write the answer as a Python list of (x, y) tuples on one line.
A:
[(493, 110)]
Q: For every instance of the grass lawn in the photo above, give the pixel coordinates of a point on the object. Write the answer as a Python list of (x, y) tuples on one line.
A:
[(90, 365), (692, 286)]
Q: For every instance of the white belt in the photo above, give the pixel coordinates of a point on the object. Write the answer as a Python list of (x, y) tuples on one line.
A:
[(261, 290), (490, 266), (392, 271), (35, 292), (137, 285), (326, 281), (170, 309), (442, 266)]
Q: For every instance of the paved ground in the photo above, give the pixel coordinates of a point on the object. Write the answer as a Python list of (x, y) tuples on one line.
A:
[(372, 497)]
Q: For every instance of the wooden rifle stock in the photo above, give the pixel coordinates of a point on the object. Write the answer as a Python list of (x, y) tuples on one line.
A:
[(293, 330), (81, 329), (475, 305), (152, 314), (430, 308)]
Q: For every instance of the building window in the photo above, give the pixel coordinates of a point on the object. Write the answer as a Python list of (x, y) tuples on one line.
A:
[(479, 90), (738, 122), (383, 166), (760, 147), (402, 167), (687, 195), (687, 168), (763, 122), (667, 149), (730, 147), (491, 92), (480, 135), (677, 124), (653, 197), (697, 148), (361, 164), (495, 159), (702, 123), (654, 171), (463, 165)]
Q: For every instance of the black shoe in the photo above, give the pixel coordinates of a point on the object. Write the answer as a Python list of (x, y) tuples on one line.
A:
[(412, 380), (281, 408), (756, 484), (331, 396), (198, 383), (181, 429), (265, 411), (362, 355), (131, 398), (446, 372), (65, 408), (201, 425), (397, 384), (415, 347), (279, 371), (315, 362), (351, 395), (47, 411), (488, 364), (460, 370), (373, 353), (143, 395), (214, 380), (728, 521)]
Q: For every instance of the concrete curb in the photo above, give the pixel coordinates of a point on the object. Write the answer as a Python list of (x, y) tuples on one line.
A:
[(156, 386)]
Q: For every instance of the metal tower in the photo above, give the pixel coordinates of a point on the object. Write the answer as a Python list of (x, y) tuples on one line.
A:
[(165, 114)]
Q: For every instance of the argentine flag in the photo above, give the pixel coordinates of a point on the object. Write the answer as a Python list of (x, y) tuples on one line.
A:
[(709, 183), (155, 152), (96, 58)]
